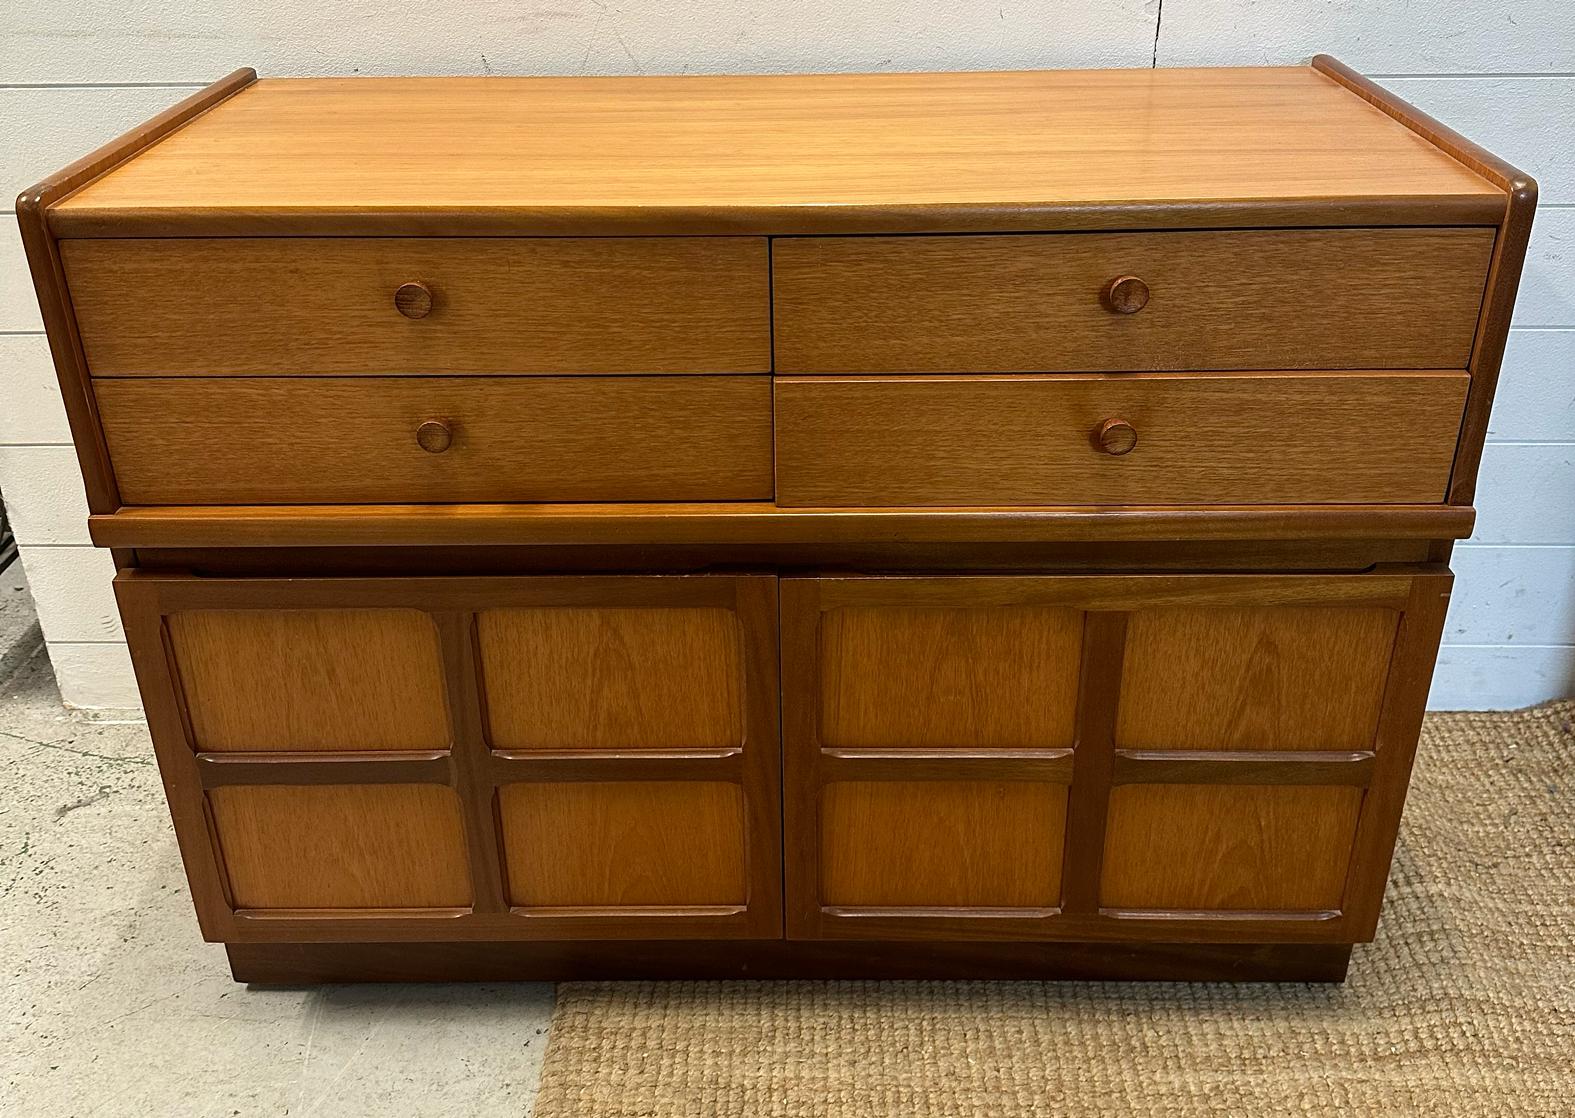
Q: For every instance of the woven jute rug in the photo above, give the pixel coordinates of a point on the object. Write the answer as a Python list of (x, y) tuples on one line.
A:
[(1464, 1006)]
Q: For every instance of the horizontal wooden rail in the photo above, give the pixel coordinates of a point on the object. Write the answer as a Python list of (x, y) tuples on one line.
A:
[(218, 770), (758, 523), (1282, 766)]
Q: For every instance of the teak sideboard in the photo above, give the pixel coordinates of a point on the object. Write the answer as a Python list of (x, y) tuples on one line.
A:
[(904, 524)]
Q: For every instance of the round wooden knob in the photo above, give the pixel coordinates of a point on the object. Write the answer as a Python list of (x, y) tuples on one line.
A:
[(1116, 436), (434, 436), (413, 300), (1126, 295)]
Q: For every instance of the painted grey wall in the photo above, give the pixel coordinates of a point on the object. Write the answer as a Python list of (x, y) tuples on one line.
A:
[(72, 76)]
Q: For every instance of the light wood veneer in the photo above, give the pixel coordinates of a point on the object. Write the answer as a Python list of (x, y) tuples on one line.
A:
[(997, 679), (612, 678), (341, 440), (780, 154), (1199, 848), (341, 847), (304, 306), (945, 844), (1259, 299), (643, 844), (1288, 678), (304, 680), (1221, 438), (872, 524)]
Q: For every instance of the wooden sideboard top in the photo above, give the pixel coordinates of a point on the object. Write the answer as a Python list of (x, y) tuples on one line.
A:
[(790, 154), (393, 166)]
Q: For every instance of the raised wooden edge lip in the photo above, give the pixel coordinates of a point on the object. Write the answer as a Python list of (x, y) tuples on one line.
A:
[(980, 217), (785, 221), (102, 160), (419, 525), (1521, 187), (1503, 275), (33, 209)]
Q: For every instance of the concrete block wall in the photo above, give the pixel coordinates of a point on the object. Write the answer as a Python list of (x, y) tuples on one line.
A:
[(74, 75)]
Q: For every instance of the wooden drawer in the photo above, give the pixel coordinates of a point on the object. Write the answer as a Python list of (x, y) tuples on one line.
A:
[(1276, 299), (284, 440), (213, 306), (1223, 438)]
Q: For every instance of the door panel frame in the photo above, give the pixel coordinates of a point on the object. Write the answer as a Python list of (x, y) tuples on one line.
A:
[(468, 765), (1093, 766)]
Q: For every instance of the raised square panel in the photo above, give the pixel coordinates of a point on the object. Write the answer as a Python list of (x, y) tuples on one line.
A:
[(310, 679), (1230, 847), (342, 846), (561, 678), (942, 844), (631, 843), (1254, 678), (1002, 677)]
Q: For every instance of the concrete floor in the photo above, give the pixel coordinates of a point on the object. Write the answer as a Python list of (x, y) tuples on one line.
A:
[(110, 1003)]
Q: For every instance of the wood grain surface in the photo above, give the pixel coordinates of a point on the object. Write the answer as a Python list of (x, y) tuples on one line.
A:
[(1222, 438), (721, 523), (649, 843), (49, 279), (297, 679), (1240, 678), (750, 766), (624, 678), (291, 305), (1261, 299), (339, 440), (1244, 827), (949, 677), (1509, 256), (942, 843), (342, 846), (1199, 847), (781, 154), (1221, 306)]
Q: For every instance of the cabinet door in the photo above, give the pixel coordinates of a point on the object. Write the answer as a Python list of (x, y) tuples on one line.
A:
[(1176, 757), (467, 758)]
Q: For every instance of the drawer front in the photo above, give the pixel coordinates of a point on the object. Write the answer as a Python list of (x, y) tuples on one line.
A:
[(282, 440), (214, 307), (1279, 299), (1167, 757), (1228, 438), (468, 758)]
